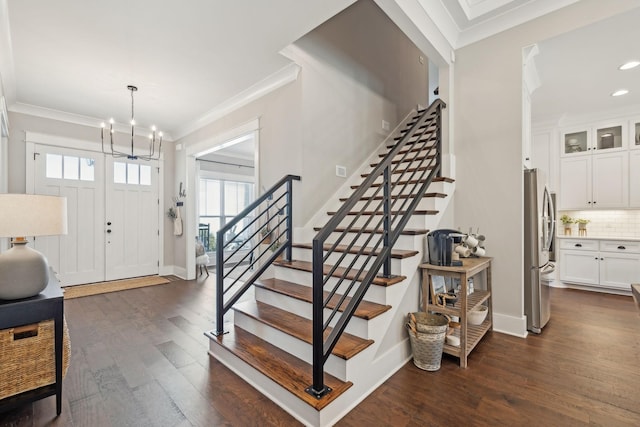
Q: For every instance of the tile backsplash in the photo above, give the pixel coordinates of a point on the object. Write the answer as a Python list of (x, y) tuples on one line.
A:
[(622, 223)]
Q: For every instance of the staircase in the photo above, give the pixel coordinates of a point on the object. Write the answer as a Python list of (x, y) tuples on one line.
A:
[(276, 341)]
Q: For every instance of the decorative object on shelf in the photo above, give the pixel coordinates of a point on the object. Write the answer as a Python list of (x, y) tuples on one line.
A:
[(153, 154), (566, 222), (582, 226), (477, 315), (24, 272), (427, 334), (471, 245)]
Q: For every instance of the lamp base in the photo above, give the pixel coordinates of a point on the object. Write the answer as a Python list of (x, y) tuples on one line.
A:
[(24, 272)]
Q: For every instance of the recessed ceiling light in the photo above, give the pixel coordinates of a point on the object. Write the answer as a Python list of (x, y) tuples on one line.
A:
[(620, 92), (629, 65)]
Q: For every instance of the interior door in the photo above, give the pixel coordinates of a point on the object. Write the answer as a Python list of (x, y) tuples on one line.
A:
[(77, 257), (131, 220)]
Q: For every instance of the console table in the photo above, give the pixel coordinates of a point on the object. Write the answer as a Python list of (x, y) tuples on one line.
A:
[(45, 306), (470, 335)]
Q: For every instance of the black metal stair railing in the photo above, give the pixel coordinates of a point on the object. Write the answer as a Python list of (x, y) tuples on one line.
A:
[(407, 170), (266, 232)]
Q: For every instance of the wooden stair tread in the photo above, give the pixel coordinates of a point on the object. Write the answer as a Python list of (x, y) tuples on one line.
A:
[(291, 373), (406, 231), (399, 196), (395, 253), (405, 170), (407, 160), (348, 345), (421, 139), (308, 267), (416, 212), (366, 310), (408, 150), (413, 181)]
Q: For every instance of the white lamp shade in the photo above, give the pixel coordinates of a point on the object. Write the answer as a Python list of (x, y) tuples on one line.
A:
[(32, 215)]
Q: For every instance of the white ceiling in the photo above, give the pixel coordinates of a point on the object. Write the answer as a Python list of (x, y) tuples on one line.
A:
[(78, 56), (579, 70), (187, 58)]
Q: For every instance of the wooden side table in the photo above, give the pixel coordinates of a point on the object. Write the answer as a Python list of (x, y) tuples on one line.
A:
[(470, 335), (49, 304)]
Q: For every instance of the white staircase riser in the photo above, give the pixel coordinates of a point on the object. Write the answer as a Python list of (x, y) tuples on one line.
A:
[(408, 242), (425, 203), (335, 366), (375, 293), (416, 221), (357, 326), (303, 254)]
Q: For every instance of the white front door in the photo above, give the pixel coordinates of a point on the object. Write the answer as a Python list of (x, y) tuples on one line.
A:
[(77, 257), (131, 220)]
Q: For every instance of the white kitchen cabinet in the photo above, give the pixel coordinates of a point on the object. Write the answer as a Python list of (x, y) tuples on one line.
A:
[(619, 270), (634, 178), (577, 266), (594, 181), (612, 264), (575, 183), (610, 180)]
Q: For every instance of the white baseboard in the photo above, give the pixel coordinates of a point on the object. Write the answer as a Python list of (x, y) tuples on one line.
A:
[(510, 325), (173, 270)]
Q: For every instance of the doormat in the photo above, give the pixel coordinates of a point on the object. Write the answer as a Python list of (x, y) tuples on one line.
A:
[(78, 291)]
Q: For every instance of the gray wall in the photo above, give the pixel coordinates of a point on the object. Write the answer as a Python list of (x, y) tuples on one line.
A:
[(487, 121), (356, 69)]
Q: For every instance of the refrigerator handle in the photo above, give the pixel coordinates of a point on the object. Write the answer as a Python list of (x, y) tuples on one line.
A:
[(548, 218)]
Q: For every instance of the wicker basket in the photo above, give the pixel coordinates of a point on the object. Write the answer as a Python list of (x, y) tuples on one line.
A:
[(427, 333), (27, 357)]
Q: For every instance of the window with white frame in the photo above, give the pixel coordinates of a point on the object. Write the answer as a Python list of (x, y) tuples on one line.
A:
[(220, 201), (59, 166)]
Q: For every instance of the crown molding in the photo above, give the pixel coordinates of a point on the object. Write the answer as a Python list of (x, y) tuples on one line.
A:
[(77, 119), (284, 76), (7, 73), (509, 19)]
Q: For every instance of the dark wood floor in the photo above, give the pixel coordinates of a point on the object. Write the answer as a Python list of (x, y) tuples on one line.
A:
[(139, 358)]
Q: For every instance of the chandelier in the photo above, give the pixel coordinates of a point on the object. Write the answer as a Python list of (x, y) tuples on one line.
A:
[(153, 154)]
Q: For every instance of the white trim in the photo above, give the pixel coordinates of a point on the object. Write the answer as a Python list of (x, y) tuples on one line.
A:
[(419, 26), (77, 144), (510, 325), (7, 67), (33, 138), (78, 119), (509, 19), (4, 117), (275, 81), (200, 148)]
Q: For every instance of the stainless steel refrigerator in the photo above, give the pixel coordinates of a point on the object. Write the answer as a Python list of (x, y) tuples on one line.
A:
[(539, 225)]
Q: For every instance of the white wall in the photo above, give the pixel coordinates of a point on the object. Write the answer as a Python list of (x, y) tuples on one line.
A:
[(487, 123)]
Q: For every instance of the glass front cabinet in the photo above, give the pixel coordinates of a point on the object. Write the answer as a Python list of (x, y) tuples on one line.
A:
[(635, 134), (605, 138)]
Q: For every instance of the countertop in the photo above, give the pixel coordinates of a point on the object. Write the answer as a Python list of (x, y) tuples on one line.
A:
[(624, 239)]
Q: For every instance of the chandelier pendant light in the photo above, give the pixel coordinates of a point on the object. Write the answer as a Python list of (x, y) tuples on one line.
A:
[(153, 138)]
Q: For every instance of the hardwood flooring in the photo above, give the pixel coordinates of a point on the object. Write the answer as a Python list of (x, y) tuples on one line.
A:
[(139, 358)]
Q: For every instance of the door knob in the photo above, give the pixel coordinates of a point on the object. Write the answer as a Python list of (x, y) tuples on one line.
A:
[(109, 223), (109, 230)]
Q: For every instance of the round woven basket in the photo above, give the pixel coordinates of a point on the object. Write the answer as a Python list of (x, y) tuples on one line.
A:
[(427, 333)]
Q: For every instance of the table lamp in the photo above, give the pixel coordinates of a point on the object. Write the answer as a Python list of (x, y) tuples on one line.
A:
[(24, 272)]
